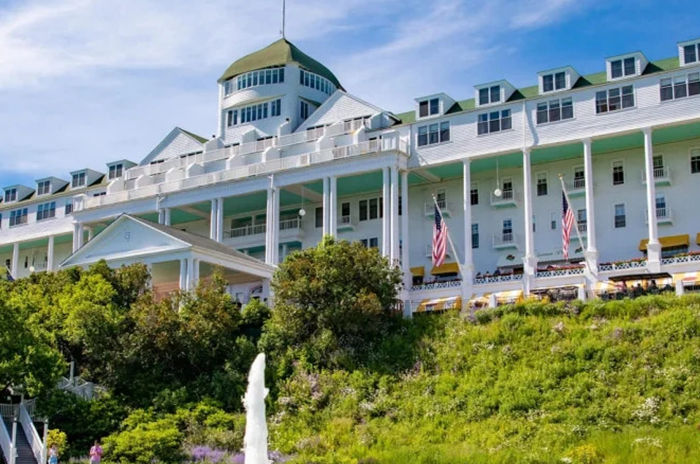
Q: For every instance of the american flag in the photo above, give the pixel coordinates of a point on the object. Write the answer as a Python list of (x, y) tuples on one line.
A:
[(439, 239), (567, 221)]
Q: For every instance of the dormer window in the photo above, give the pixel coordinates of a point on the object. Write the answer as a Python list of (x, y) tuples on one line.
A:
[(556, 81), (10, 195), (78, 180), (623, 68), (43, 187), (429, 107), (490, 95), (116, 171), (691, 53)]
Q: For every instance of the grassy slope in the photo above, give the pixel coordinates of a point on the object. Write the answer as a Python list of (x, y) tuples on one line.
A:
[(615, 382)]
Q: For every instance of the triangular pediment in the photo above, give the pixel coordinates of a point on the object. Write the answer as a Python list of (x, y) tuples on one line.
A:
[(123, 240), (178, 142), (339, 106)]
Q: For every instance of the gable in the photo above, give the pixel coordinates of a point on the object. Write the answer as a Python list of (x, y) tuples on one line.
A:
[(338, 107), (176, 143), (124, 239)]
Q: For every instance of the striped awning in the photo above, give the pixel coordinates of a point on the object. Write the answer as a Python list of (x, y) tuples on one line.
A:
[(439, 304), (479, 299), (671, 241), (446, 268), (690, 278), (510, 296), (418, 271)]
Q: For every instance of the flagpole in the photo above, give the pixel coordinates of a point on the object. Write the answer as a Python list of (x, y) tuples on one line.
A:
[(449, 239), (578, 232)]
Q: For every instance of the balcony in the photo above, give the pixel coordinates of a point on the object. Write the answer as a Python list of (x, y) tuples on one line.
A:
[(663, 216), (507, 199), (576, 188), (662, 176), (254, 235), (505, 240), (445, 207), (345, 223)]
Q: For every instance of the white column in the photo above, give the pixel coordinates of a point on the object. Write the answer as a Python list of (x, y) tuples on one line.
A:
[(50, 255), (285, 250), (394, 223), (183, 274), (326, 206), (530, 261), (91, 233), (592, 250), (405, 255), (191, 283), (333, 209), (78, 233), (161, 216), (219, 219), (14, 266), (386, 241), (212, 218), (166, 216), (268, 228), (653, 247), (468, 262), (275, 226)]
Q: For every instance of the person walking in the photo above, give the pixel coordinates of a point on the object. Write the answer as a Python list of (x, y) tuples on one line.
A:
[(53, 454), (96, 453)]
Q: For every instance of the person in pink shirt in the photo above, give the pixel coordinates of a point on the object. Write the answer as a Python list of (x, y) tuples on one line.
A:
[(96, 453)]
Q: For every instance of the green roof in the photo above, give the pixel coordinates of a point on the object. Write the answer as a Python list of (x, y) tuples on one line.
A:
[(527, 93), (278, 54)]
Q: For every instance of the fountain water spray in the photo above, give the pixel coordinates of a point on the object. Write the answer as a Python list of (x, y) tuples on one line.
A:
[(255, 441)]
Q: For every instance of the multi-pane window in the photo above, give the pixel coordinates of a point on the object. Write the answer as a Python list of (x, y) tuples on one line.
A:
[(304, 110), (474, 194), (614, 99), (553, 218), (660, 205), (231, 118), (18, 216), (78, 180), (10, 195), (620, 217), (680, 87), (43, 187), (555, 110), (254, 79), (46, 211), (579, 177), (429, 107), (345, 213), (370, 242), (116, 171), (507, 230), (622, 68), (490, 95), (695, 161), (315, 81), (582, 219), (618, 172), (475, 235), (371, 209), (434, 133), (275, 108), (68, 208), (253, 113), (691, 53), (541, 184), (495, 121), (319, 217), (555, 81)]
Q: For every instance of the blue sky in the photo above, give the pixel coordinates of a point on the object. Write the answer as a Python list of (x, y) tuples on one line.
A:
[(85, 82)]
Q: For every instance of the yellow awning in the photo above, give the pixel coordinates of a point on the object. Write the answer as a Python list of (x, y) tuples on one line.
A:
[(446, 268), (510, 296), (687, 278), (439, 304), (697, 239), (480, 299), (418, 271), (671, 241)]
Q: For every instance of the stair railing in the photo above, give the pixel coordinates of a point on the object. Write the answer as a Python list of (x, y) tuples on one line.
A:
[(32, 435), (6, 443)]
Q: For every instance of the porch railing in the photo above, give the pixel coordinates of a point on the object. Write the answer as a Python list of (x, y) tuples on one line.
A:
[(559, 273), (437, 285), (622, 266), (6, 442), (493, 279)]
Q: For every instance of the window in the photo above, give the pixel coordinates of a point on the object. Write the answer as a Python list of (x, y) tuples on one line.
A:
[(315, 81), (614, 99), (552, 82), (691, 52), (275, 108), (622, 68), (231, 118), (254, 79), (660, 205), (18, 216), (44, 187), (507, 230), (99, 194), (10, 195), (618, 172), (658, 162), (116, 171), (46, 211), (304, 114), (680, 87), (495, 121), (507, 189), (582, 219), (620, 218), (78, 180), (555, 110), (579, 178), (319, 217), (534, 223), (370, 242), (433, 134), (475, 235), (553, 218), (68, 209), (490, 95), (695, 161), (253, 112), (474, 193), (542, 184), (371, 209), (429, 107)]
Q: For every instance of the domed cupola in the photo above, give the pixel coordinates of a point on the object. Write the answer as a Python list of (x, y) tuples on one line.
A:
[(271, 92)]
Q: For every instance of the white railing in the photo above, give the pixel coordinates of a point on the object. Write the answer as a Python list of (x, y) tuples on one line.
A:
[(583, 227), (35, 442), (241, 172), (492, 279), (310, 135), (559, 273), (8, 411), (290, 224), (6, 443), (437, 285), (442, 204), (504, 239), (576, 185), (345, 220), (694, 258), (622, 266), (662, 214), (660, 173), (507, 196), (245, 231)]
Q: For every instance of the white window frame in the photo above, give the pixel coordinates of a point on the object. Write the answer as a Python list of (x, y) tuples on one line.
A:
[(12, 193), (622, 63), (73, 185), (488, 122), (612, 172), (429, 102), (624, 206), (690, 158), (548, 102), (118, 171), (675, 78), (474, 186), (380, 212), (696, 45), (438, 133), (553, 220), (582, 168), (537, 183), (607, 100), (489, 88), (553, 75), (478, 232)]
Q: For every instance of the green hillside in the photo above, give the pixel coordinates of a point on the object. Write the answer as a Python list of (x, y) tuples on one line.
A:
[(613, 382)]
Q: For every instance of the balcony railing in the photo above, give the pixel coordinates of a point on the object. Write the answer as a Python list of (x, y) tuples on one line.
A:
[(259, 229), (437, 285), (444, 206), (582, 228), (559, 272), (577, 187), (241, 172), (688, 258), (661, 174), (663, 216), (623, 265), (507, 198), (289, 224), (505, 240), (493, 279)]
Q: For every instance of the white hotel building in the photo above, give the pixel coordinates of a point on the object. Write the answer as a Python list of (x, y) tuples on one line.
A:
[(297, 157)]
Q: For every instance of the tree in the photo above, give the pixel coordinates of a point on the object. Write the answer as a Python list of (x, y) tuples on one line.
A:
[(332, 305)]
